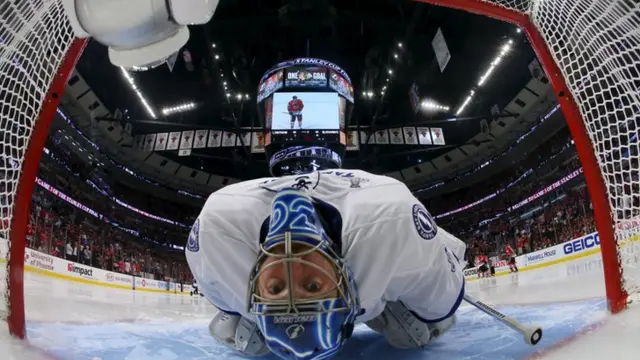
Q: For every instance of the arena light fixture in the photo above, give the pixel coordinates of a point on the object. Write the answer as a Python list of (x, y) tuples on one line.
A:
[(136, 89), (395, 56), (368, 94), (430, 105), (217, 57), (494, 64), (213, 45), (390, 72), (465, 103), (178, 108), (400, 45)]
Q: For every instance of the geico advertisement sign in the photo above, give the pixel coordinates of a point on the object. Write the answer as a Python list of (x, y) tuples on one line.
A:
[(38, 260), (118, 278), (470, 272), (581, 244), (80, 270)]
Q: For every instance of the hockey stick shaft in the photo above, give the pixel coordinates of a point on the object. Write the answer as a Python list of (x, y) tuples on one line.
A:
[(531, 335)]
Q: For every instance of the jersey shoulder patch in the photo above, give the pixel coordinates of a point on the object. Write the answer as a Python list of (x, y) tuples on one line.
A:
[(424, 223), (193, 244)]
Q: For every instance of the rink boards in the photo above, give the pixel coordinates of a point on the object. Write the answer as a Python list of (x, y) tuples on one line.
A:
[(45, 264), (577, 248)]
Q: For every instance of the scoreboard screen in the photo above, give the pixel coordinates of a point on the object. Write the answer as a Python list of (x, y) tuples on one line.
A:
[(306, 76), (342, 86), (305, 111), (269, 86)]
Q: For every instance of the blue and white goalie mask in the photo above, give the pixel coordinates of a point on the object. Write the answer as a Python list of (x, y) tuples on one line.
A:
[(303, 295)]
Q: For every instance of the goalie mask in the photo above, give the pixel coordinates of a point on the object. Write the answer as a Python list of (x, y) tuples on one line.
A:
[(303, 295)]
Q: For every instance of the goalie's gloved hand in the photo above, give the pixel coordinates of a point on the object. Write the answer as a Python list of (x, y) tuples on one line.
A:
[(403, 330), (238, 333)]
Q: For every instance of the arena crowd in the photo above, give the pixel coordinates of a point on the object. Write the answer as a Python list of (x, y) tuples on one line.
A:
[(114, 237)]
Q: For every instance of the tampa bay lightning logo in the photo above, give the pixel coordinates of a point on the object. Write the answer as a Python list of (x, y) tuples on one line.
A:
[(193, 244), (424, 223), (295, 331)]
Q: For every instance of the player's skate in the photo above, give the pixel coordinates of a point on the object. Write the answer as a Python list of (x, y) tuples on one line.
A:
[(405, 331), (238, 333)]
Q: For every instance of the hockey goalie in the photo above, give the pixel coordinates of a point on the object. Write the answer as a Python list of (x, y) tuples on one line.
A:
[(293, 263)]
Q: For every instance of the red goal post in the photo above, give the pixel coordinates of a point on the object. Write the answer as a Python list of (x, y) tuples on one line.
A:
[(37, 54), (590, 51)]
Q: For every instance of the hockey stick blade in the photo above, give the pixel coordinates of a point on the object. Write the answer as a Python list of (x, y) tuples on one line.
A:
[(531, 335)]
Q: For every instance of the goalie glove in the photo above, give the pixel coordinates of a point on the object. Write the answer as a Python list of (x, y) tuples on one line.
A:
[(403, 330), (140, 34), (238, 333)]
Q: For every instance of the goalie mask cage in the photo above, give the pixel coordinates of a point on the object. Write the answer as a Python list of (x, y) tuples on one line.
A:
[(589, 50)]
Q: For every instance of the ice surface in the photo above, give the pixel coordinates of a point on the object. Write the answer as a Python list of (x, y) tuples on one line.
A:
[(74, 321)]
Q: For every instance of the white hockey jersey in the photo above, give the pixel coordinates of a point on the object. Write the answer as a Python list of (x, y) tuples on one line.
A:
[(389, 241)]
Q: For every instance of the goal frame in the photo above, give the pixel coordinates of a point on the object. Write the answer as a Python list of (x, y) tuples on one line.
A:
[(615, 293), (26, 184)]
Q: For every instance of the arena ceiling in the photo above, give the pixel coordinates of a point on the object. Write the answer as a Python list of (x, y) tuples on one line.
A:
[(384, 45)]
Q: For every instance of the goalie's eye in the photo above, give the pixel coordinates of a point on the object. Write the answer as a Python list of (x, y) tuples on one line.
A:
[(275, 287), (313, 286)]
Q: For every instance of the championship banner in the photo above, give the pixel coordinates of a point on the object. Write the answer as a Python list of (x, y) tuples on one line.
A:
[(138, 142), (352, 143), (382, 137), (424, 136), (414, 98), (364, 135), (257, 142), (174, 140), (200, 140), (161, 141), (437, 136), (149, 142), (187, 140), (410, 137), (215, 138), (441, 49), (244, 138), (396, 137), (228, 139)]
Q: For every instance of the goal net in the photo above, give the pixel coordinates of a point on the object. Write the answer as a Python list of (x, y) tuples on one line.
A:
[(591, 54), (37, 54), (589, 49)]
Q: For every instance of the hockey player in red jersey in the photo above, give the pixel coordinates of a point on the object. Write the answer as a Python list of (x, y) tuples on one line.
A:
[(510, 255), (294, 108)]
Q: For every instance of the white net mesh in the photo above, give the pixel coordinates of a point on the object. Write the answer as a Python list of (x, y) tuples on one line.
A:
[(34, 37), (596, 45)]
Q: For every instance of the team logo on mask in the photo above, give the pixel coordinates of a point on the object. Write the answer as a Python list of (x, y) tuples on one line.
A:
[(425, 225), (295, 331), (193, 244)]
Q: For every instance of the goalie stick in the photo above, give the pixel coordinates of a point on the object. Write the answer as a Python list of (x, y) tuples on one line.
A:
[(531, 335)]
